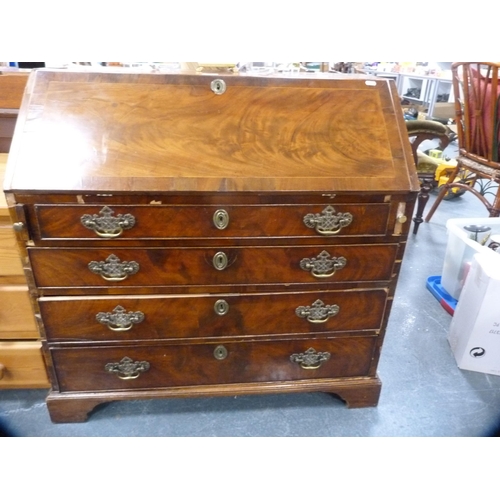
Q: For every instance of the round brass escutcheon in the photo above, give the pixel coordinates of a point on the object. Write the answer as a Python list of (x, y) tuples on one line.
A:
[(221, 219), (402, 219), (220, 261), (18, 226), (218, 86), (221, 307), (220, 352)]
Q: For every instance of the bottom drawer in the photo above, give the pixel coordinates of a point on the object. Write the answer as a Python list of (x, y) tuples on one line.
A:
[(112, 368), (22, 366)]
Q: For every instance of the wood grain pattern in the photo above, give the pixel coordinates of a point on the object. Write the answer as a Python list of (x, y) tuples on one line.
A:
[(93, 132), (173, 317), (16, 315), (168, 150), (83, 369), (196, 221), (23, 366), (10, 260), (194, 266), (12, 86)]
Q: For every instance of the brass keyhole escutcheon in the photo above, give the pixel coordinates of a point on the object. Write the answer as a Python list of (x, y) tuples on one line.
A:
[(220, 261), (220, 352), (221, 219), (221, 307), (218, 86)]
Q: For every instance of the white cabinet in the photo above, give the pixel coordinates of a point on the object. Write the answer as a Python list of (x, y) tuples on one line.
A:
[(426, 91)]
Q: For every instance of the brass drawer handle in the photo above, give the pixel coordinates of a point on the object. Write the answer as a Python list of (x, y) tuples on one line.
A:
[(220, 352), (310, 360), (119, 320), (328, 222), (113, 269), (318, 312), (105, 225), (323, 266), (220, 261), (221, 219), (127, 369), (221, 307)]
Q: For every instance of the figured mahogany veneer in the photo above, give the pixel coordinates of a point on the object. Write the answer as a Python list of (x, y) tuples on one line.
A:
[(174, 316), (181, 240), (159, 267), (195, 364)]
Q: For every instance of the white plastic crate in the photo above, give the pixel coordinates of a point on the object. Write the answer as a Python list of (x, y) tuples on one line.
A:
[(461, 249)]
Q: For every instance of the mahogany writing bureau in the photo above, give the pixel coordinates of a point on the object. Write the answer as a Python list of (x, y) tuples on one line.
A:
[(194, 234)]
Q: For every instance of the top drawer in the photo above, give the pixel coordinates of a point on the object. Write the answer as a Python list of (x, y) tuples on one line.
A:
[(208, 221)]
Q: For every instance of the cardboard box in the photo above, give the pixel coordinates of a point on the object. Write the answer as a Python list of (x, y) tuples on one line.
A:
[(474, 334), (443, 110), (461, 249)]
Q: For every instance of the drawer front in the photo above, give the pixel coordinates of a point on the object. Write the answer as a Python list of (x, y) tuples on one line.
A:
[(16, 315), (119, 368), (22, 366), (210, 266), (142, 318), (209, 221), (10, 261)]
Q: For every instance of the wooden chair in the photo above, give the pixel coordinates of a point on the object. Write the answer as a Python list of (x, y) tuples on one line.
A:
[(477, 108), (418, 132)]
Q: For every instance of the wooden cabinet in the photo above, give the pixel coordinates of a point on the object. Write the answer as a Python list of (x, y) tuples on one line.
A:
[(21, 361), (12, 85), (194, 235)]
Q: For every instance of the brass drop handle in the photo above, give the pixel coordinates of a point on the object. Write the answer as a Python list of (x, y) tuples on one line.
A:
[(119, 320), (318, 312), (2, 371), (310, 359), (113, 269), (329, 222), (220, 261), (126, 369), (106, 225), (323, 266)]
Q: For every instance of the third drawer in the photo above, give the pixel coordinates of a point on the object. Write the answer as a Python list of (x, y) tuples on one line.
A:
[(122, 318)]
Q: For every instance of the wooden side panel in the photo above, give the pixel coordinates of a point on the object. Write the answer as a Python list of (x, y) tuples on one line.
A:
[(16, 315), (10, 261), (22, 366)]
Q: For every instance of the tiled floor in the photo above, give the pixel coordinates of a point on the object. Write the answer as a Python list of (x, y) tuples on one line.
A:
[(423, 393)]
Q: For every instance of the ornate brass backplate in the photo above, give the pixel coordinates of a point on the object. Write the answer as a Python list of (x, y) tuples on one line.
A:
[(106, 225), (324, 265), (119, 320), (318, 312), (113, 269), (329, 222), (127, 369), (310, 360)]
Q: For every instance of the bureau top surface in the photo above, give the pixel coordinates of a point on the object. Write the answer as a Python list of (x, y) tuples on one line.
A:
[(150, 132)]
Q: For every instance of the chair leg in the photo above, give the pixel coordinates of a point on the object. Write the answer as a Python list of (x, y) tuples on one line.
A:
[(423, 197), (442, 194), (495, 208)]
